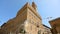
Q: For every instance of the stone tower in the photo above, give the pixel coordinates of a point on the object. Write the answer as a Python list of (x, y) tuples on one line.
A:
[(27, 21)]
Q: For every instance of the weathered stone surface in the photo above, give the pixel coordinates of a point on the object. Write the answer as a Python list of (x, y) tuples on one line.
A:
[(27, 21)]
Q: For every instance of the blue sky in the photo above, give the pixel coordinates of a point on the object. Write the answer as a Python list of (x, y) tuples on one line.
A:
[(46, 8)]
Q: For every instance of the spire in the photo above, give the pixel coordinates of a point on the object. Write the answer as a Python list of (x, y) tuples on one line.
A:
[(34, 5)]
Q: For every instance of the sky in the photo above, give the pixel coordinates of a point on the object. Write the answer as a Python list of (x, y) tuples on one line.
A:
[(45, 8)]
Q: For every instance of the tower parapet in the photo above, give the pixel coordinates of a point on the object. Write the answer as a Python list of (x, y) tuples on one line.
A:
[(34, 5)]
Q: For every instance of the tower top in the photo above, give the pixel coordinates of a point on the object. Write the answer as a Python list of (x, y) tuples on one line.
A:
[(34, 5), (31, 7)]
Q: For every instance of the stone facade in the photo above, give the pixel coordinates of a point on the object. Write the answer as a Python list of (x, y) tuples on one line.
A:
[(55, 24), (27, 21)]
